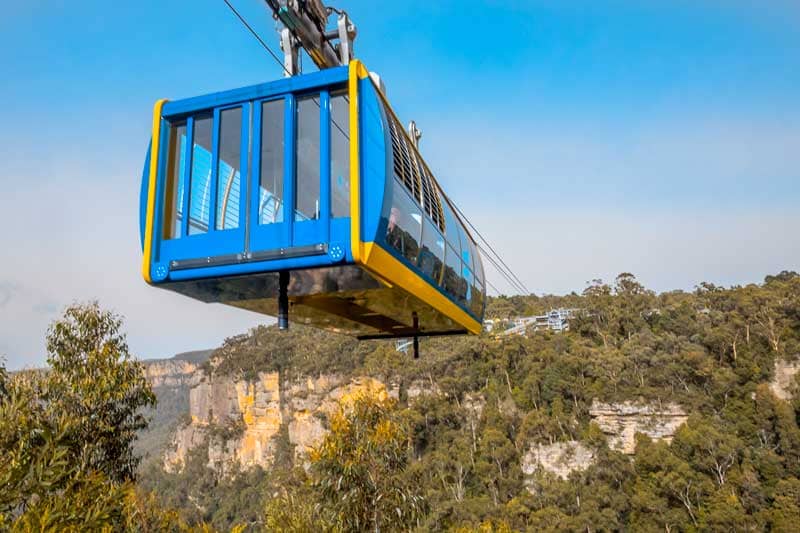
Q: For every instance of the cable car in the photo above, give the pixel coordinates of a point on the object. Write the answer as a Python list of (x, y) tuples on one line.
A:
[(306, 196)]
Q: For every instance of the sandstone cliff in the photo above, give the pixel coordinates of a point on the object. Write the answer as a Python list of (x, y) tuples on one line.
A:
[(784, 381), (171, 380), (559, 458), (621, 421), (243, 420)]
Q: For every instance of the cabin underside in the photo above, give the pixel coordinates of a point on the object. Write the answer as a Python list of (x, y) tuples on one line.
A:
[(343, 299)]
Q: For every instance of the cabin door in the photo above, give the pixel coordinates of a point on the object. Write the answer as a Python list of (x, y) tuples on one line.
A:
[(291, 208), (203, 212)]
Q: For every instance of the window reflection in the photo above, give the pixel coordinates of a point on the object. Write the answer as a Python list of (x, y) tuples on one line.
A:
[(200, 182), (404, 225), (477, 297), (228, 176), (431, 255), (307, 159), (340, 155), (453, 282), (451, 229), (173, 193), (270, 194)]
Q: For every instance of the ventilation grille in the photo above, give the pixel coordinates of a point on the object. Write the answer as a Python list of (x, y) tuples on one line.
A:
[(411, 171)]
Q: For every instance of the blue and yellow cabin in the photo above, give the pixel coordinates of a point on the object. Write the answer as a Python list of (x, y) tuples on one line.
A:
[(314, 177)]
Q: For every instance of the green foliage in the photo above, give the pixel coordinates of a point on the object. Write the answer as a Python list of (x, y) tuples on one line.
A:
[(204, 496), (96, 383), (473, 406), (66, 434), (358, 479), (296, 352)]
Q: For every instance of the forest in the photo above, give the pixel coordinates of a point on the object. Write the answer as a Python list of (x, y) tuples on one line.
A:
[(429, 463)]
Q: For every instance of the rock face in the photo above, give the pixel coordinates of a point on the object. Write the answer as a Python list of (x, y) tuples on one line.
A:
[(242, 420), (171, 373), (559, 458), (171, 380), (621, 421), (783, 383)]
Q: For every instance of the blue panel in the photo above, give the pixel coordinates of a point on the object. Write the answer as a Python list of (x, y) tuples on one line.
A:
[(249, 235), (307, 231), (325, 165), (199, 201), (143, 195), (187, 175), (275, 265), (304, 83), (340, 234), (277, 234), (374, 160)]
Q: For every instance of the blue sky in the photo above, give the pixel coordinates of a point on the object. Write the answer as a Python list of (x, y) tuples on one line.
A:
[(583, 138)]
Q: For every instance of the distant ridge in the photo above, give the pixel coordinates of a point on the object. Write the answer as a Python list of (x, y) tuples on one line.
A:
[(195, 356)]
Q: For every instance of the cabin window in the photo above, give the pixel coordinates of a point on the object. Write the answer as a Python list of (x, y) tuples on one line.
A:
[(228, 167), (307, 157), (451, 229), (466, 250), (466, 263), (173, 193), (270, 197), (477, 297), (410, 170), (200, 181), (476, 260), (431, 254), (467, 279), (453, 282), (404, 226), (340, 155)]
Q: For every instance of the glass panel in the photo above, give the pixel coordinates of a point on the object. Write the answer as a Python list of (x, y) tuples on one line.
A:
[(466, 264), (431, 255), (466, 250), (228, 178), (340, 155), (200, 186), (477, 267), (404, 227), (451, 229), (306, 204), (453, 283), (467, 280), (270, 195), (173, 192), (477, 297)]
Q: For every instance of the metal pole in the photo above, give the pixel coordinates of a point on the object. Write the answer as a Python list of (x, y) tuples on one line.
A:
[(283, 300), (416, 339)]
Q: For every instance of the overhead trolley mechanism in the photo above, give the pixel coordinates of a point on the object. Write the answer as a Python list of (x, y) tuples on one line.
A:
[(305, 25)]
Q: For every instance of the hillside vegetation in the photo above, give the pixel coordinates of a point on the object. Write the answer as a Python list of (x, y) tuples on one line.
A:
[(449, 449), (734, 464)]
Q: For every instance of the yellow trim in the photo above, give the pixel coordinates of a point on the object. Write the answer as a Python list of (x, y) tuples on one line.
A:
[(396, 272), (151, 191), (357, 71), (371, 256)]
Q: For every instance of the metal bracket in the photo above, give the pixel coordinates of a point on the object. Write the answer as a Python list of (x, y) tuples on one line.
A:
[(347, 34), (291, 53), (304, 26), (415, 133)]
